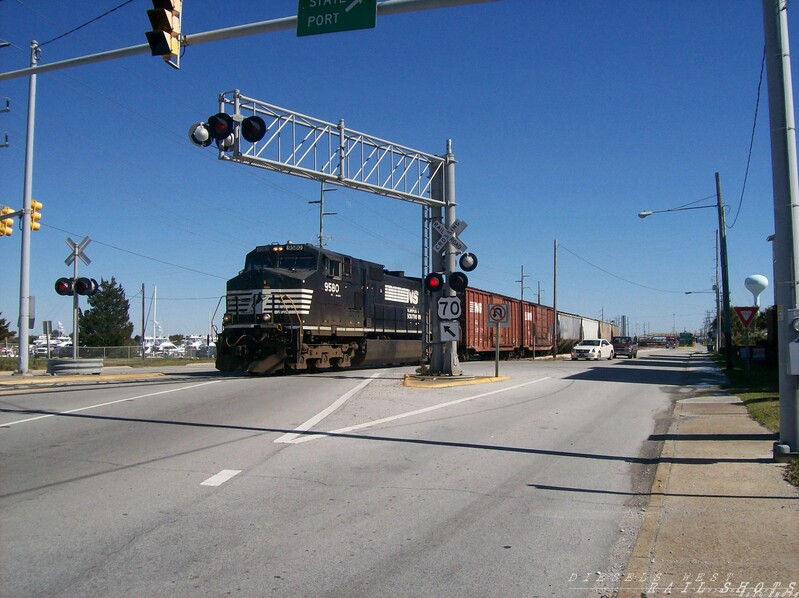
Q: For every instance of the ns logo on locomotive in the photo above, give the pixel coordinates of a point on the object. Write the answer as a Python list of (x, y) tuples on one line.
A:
[(298, 307)]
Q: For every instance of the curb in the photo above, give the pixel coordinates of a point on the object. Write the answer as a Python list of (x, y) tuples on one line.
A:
[(417, 381), (49, 380)]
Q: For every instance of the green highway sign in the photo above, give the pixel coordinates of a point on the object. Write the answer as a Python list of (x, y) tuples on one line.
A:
[(328, 16)]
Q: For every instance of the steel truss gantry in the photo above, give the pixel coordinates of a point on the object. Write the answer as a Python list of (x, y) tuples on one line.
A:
[(308, 147)]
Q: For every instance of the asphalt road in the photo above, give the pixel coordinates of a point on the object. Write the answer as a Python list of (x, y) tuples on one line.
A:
[(201, 485)]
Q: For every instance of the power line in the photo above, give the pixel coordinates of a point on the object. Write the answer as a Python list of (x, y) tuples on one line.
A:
[(141, 255), (97, 18), (751, 140), (561, 246)]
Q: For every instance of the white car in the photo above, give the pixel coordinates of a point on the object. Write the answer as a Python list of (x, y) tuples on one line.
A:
[(593, 348)]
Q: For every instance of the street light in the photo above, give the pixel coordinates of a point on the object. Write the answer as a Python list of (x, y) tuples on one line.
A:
[(725, 283)]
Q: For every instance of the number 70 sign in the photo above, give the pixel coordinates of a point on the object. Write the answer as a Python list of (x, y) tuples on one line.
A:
[(449, 308)]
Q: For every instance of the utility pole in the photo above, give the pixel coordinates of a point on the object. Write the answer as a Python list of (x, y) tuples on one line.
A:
[(555, 302), (725, 276), (785, 183), (143, 323), (521, 284), (322, 213)]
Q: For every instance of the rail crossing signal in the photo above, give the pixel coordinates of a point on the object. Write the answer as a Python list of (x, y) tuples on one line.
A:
[(434, 282), (65, 287), (76, 286), (458, 281), (221, 128), (468, 262)]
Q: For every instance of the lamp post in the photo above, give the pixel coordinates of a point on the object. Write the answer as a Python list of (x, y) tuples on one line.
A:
[(725, 282)]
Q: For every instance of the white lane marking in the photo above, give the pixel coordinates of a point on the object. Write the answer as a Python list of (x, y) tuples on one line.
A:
[(152, 394), (307, 437), (307, 425), (220, 478)]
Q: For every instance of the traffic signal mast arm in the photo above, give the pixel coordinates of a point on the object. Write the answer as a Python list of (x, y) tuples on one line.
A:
[(390, 7)]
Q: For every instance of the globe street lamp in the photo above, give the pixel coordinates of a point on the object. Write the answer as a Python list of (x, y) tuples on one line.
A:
[(725, 283)]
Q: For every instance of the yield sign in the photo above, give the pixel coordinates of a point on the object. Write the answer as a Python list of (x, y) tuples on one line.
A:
[(746, 315)]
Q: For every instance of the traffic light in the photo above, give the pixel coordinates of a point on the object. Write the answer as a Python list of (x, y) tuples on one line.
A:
[(253, 128), (36, 215), (86, 286), (164, 39), (433, 282), (458, 281), (6, 224), (65, 286)]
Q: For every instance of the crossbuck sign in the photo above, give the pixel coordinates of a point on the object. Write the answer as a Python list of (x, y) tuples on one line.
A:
[(450, 235)]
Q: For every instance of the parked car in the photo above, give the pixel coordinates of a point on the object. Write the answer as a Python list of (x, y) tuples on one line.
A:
[(593, 348), (625, 345), (205, 352)]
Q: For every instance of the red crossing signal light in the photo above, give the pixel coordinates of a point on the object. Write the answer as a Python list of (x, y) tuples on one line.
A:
[(433, 282), (458, 281), (65, 286)]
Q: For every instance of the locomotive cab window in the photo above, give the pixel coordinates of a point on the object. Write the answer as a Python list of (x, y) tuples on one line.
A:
[(332, 268)]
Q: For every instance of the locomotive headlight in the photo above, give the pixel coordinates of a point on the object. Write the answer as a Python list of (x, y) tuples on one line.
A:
[(266, 317), (227, 319)]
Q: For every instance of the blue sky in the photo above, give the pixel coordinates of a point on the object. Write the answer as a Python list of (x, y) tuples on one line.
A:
[(566, 120)]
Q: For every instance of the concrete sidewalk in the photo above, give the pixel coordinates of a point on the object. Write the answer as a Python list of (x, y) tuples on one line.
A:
[(722, 520)]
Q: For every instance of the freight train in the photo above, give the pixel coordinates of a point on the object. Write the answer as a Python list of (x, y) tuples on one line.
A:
[(298, 307)]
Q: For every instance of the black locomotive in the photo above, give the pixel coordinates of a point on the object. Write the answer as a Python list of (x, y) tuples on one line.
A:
[(298, 307)]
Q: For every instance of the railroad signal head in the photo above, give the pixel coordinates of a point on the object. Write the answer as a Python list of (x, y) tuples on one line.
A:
[(36, 215), (253, 128), (86, 286), (220, 126), (433, 282), (65, 286), (200, 135), (468, 262), (458, 281)]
